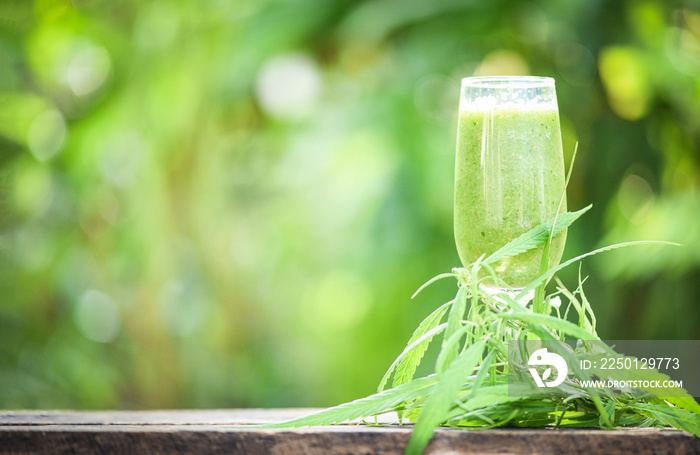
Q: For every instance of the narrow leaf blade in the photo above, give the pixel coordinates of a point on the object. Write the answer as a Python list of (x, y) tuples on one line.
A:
[(550, 322), (536, 236), (425, 337), (406, 367), (675, 417), (364, 407), (433, 280), (545, 276), (454, 322), (442, 398)]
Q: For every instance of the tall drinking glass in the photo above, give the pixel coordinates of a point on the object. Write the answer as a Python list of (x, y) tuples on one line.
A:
[(509, 171)]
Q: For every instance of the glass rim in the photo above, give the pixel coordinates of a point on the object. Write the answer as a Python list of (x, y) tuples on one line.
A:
[(507, 81)]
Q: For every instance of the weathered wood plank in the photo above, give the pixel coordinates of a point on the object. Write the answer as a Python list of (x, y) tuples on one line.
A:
[(187, 432), (163, 417)]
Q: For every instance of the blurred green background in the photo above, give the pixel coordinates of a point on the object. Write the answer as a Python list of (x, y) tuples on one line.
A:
[(214, 203)]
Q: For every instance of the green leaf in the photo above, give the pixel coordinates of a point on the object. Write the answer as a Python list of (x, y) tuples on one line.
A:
[(519, 411), (487, 396), (406, 367), (442, 397), (456, 396), (364, 407), (450, 349), (483, 371), (675, 417), (433, 280), (549, 322), (454, 322), (538, 303), (425, 337), (687, 403), (609, 413), (535, 236), (589, 316), (545, 276)]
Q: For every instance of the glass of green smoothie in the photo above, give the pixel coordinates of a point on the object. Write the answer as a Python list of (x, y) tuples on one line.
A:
[(509, 171)]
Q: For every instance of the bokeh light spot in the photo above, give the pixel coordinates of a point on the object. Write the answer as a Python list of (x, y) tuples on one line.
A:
[(88, 70), (503, 63), (635, 198), (97, 316), (120, 157), (182, 308), (33, 248), (683, 50), (623, 73), (288, 86), (46, 135)]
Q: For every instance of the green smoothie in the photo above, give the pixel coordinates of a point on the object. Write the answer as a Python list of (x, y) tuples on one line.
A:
[(509, 178)]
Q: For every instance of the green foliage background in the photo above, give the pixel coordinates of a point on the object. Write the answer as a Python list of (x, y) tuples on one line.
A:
[(229, 203)]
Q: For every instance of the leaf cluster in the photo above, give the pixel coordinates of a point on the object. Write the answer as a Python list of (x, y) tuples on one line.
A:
[(469, 387)]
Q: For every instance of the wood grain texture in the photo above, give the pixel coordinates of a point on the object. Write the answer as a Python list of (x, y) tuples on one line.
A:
[(166, 417), (208, 432)]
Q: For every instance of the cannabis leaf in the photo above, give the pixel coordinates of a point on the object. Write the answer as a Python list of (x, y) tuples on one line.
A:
[(536, 236)]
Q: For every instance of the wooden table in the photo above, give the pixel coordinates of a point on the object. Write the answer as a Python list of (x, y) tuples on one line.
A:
[(208, 432)]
